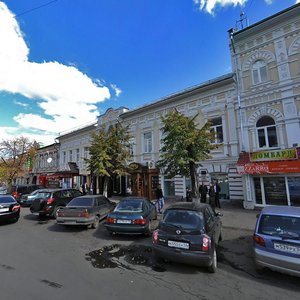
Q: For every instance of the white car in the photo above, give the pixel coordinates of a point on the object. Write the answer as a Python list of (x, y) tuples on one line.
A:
[(3, 190)]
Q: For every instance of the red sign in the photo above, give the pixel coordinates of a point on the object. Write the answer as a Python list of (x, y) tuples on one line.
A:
[(271, 167)]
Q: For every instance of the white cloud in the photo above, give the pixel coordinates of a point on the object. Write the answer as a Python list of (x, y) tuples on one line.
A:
[(209, 5), (67, 96), (297, 1), (117, 90)]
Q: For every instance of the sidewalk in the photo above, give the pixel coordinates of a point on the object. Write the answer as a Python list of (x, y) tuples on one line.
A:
[(235, 216)]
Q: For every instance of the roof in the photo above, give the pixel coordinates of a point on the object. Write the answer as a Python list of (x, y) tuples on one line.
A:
[(282, 210), (221, 80), (188, 206)]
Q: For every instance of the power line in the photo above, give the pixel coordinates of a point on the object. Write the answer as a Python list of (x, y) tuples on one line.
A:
[(35, 8)]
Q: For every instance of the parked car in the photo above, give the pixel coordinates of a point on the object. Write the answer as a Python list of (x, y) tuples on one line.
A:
[(189, 233), (19, 190), (85, 210), (132, 215), (9, 208), (49, 201), (27, 199), (276, 239), (3, 190)]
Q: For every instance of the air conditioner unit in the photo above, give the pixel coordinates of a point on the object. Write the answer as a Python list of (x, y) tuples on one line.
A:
[(150, 164)]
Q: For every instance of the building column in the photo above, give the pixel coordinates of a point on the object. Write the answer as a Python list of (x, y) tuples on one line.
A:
[(248, 192)]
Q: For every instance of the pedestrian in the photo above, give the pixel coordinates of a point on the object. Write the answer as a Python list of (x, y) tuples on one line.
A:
[(212, 195), (203, 192), (160, 198), (217, 194)]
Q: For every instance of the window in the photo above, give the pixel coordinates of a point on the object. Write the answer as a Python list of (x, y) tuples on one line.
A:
[(77, 155), (266, 132), (259, 71), (70, 155), (148, 142), (132, 147), (64, 157), (217, 129), (86, 152)]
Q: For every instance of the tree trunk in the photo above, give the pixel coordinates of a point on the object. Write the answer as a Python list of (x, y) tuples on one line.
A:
[(194, 180), (105, 186)]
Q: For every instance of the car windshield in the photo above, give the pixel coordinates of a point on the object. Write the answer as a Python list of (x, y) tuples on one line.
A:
[(130, 206), (7, 200), (84, 202), (189, 220), (277, 225)]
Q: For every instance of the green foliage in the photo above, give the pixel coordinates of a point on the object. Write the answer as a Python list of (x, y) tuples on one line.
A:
[(184, 145), (16, 158), (109, 150)]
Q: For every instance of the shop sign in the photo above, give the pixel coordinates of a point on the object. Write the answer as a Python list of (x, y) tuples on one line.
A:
[(273, 167), (286, 154)]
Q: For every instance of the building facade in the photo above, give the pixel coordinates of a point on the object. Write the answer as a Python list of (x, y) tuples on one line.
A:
[(266, 59)]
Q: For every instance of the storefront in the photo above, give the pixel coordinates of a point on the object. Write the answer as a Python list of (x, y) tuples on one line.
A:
[(271, 177)]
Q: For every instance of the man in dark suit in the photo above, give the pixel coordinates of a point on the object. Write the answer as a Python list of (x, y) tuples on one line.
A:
[(217, 194)]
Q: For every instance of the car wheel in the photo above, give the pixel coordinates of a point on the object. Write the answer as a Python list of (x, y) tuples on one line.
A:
[(96, 223), (213, 267), (54, 214)]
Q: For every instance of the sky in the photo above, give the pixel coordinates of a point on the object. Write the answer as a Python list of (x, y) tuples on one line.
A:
[(65, 62)]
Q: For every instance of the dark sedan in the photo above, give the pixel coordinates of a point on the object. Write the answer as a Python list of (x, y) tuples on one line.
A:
[(131, 216), (189, 233), (9, 208), (85, 210)]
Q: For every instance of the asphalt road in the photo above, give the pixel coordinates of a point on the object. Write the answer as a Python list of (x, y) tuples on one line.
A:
[(42, 260)]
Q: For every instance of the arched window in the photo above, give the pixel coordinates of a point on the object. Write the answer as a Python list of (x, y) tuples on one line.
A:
[(266, 132), (259, 71)]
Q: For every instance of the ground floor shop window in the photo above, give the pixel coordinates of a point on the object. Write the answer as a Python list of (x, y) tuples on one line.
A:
[(277, 190), (257, 188)]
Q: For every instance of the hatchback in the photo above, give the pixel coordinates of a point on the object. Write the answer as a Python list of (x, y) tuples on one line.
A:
[(9, 208), (189, 233), (49, 201), (276, 239)]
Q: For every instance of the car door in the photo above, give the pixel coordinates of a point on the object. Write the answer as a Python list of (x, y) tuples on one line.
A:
[(211, 226), (103, 206)]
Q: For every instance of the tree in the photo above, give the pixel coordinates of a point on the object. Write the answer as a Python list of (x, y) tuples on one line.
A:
[(109, 151), (16, 158), (184, 146)]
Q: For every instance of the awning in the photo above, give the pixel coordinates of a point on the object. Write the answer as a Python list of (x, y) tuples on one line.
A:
[(246, 166)]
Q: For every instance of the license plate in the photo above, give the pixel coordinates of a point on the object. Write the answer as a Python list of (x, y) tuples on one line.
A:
[(124, 221), (180, 245), (4, 209), (287, 248)]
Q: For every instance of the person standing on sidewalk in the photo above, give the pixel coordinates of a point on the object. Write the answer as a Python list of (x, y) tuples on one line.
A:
[(160, 199), (212, 196), (217, 194), (203, 192)]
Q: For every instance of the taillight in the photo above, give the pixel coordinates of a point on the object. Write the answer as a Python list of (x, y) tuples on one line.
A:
[(259, 240), (205, 243), (16, 207), (110, 220), (155, 237), (84, 214), (50, 200), (140, 221)]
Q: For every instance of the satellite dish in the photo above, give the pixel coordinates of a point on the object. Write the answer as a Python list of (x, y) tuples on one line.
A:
[(49, 160)]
